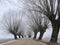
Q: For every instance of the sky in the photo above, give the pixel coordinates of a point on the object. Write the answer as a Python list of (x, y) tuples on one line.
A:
[(10, 5)]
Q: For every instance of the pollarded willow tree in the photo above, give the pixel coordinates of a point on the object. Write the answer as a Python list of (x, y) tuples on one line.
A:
[(36, 23), (12, 22), (49, 8)]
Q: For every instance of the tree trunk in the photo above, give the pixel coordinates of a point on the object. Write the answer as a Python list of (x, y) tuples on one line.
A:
[(35, 33), (19, 36), (29, 36), (55, 32), (15, 36), (41, 35), (22, 36)]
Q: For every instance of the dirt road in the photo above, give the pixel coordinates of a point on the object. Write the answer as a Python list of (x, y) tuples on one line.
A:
[(24, 42)]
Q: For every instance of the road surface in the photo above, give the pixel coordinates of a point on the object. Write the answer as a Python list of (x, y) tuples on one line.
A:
[(23, 42)]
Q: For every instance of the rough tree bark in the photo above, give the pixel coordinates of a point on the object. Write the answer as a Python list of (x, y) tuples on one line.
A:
[(55, 32), (15, 36), (55, 28), (35, 33), (41, 35)]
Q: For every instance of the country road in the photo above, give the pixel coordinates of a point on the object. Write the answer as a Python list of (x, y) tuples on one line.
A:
[(23, 42)]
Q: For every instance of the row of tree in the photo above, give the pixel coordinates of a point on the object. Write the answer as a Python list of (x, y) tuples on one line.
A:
[(38, 23), (49, 8), (13, 21)]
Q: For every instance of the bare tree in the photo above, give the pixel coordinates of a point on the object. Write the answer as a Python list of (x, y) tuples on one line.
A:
[(12, 22), (36, 23), (49, 8)]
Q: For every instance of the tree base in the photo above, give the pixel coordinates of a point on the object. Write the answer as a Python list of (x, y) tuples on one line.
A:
[(53, 43), (15, 36)]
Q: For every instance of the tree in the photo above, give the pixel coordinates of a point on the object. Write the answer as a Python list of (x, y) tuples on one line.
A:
[(20, 32), (49, 8), (36, 23), (12, 22)]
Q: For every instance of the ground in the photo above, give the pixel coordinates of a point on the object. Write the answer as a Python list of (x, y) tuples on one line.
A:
[(27, 41)]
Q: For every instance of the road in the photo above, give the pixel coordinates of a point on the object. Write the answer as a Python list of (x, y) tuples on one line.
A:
[(24, 42)]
